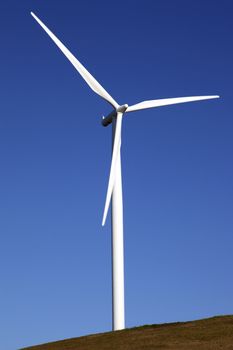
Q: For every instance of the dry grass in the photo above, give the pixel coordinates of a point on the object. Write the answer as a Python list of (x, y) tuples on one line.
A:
[(209, 334)]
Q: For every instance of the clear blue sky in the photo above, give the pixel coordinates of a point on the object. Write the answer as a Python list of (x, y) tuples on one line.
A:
[(55, 262)]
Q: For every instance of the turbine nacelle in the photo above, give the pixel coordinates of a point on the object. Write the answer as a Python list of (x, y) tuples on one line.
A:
[(108, 120)]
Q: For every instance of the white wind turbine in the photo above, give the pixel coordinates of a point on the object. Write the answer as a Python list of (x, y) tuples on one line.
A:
[(114, 191)]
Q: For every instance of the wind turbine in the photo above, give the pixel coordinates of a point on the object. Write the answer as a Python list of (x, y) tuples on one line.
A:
[(114, 191)]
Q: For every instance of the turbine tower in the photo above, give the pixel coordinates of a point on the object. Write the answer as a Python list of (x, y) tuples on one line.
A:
[(114, 190)]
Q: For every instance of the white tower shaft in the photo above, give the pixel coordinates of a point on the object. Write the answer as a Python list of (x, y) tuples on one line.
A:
[(118, 302)]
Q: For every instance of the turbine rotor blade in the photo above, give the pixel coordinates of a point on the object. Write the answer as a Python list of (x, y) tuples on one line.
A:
[(115, 155), (166, 102), (90, 80)]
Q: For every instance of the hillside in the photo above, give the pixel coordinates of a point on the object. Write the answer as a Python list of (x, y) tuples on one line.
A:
[(207, 334)]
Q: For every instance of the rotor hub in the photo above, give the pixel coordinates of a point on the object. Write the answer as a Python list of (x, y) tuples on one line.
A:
[(122, 108), (108, 120)]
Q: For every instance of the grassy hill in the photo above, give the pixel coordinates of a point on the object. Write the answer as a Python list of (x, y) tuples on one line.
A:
[(207, 334)]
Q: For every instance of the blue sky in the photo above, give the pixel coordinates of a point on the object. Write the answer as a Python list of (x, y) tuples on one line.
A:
[(55, 262)]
